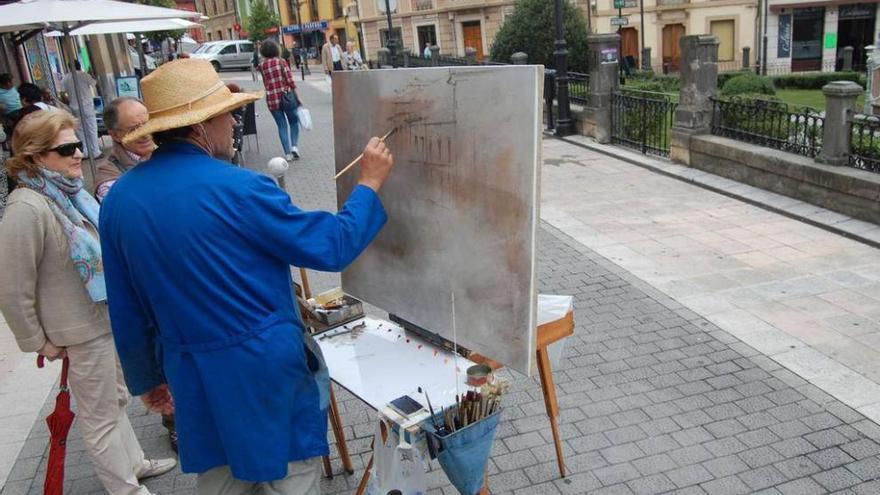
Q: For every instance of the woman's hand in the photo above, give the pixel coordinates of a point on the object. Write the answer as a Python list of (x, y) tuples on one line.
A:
[(52, 352), (159, 400)]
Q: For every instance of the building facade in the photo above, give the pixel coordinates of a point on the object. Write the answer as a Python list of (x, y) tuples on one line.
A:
[(453, 25), (810, 36), (317, 20), (666, 21), (221, 19)]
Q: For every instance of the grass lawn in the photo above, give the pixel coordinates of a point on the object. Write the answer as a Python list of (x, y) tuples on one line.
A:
[(810, 98)]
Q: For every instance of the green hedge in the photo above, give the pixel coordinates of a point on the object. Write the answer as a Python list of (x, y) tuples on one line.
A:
[(748, 83), (814, 80)]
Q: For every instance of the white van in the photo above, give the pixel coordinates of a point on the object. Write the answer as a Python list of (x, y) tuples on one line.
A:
[(231, 54)]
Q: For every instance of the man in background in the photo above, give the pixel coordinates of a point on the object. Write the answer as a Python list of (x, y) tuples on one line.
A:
[(83, 108), (122, 116), (331, 56), (9, 98)]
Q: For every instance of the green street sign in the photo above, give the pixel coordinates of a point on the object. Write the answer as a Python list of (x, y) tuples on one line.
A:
[(619, 4)]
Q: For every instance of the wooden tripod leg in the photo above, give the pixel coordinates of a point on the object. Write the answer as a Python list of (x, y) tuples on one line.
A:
[(548, 387), (339, 433), (307, 289), (362, 487)]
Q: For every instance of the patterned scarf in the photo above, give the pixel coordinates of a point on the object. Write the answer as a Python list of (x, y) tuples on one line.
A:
[(71, 205)]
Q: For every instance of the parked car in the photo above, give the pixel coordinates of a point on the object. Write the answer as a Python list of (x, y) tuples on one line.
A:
[(234, 54)]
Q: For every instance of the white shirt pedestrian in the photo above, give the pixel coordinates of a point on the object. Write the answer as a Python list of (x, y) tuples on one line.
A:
[(88, 130)]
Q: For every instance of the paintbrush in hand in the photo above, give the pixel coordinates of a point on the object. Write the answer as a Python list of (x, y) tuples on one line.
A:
[(361, 156)]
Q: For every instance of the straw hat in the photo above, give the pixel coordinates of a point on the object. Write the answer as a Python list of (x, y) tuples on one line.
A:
[(185, 92)]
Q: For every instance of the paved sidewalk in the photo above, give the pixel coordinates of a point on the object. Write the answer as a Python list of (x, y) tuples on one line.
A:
[(655, 397)]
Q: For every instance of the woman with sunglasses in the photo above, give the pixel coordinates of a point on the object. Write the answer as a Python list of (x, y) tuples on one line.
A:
[(52, 292)]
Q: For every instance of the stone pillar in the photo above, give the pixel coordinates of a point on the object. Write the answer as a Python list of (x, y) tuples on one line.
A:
[(747, 58), (384, 56), (406, 58), (847, 58), (699, 81), (646, 58), (840, 101), (604, 80), (471, 55), (519, 58), (435, 55)]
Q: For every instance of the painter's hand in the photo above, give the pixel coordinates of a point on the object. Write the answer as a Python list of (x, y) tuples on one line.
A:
[(159, 400), (376, 164)]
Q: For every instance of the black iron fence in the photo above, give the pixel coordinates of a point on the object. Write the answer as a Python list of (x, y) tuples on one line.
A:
[(579, 87), (642, 120), (769, 123), (864, 146)]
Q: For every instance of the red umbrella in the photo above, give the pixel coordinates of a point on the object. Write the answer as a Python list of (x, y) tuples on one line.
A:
[(59, 426)]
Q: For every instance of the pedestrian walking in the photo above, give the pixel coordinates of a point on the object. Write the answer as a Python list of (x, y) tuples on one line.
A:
[(281, 97), (202, 250), (332, 56), (353, 60), (53, 297), (255, 62), (426, 53), (83, 107)]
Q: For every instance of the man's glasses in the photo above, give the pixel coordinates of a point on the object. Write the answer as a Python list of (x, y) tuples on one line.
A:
[(68, 149)]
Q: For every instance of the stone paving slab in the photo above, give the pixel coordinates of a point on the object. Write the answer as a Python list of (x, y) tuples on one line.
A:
[(655, 398)]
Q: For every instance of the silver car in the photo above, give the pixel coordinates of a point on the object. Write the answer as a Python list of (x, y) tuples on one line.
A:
[(233, 54)]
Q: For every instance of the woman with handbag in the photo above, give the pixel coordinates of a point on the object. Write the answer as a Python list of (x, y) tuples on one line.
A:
[(281, 97), (53, 297)]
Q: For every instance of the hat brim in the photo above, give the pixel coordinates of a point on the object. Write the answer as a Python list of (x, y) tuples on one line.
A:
[(191, 117)]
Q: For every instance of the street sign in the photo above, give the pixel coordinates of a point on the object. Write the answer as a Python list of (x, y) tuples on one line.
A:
[(619, 4), (236, 27), (619, 21)]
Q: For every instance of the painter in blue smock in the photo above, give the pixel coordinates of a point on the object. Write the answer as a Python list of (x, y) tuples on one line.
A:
[(197, 257)]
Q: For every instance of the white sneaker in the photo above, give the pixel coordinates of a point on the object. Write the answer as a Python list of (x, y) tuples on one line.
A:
[(156, 467), (289, 157), (295, 153)]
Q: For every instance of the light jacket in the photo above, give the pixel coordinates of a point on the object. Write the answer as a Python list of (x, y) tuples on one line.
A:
[(327, 57)]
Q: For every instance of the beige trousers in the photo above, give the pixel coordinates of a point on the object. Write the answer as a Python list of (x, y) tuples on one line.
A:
[(303, 478), (98, 387)]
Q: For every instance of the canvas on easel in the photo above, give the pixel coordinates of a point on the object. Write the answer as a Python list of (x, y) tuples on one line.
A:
[(462, 200)]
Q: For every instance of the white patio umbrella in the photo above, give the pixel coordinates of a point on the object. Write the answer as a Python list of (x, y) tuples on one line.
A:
[(67, 16), (130, 27)]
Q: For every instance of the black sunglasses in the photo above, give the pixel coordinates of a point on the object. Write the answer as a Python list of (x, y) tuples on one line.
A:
[(68, 149)]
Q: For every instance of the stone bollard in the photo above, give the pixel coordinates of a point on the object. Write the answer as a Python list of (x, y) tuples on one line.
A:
[(435, 55), (699, 82), (519, 58), (747, 56), (646, 58), (406, 58), (471, 55), (847, 58), (384, 56), (604, 81), (840, 101)]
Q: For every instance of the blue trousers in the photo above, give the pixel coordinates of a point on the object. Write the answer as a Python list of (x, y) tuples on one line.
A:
[(288, 124)]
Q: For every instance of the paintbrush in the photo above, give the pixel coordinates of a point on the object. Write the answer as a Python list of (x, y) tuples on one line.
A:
[(361, 156), (430, 409)]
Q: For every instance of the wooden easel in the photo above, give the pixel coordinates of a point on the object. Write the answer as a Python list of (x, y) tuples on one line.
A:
[(333, 414)]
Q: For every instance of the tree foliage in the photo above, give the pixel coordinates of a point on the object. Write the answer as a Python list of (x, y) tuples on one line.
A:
[(532, 29), (261, 19), (159, 36)]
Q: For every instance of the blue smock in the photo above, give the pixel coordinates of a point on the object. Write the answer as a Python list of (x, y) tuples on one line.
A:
[(197, 256)]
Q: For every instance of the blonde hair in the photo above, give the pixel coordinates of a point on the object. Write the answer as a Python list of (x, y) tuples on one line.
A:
[(34, 135)]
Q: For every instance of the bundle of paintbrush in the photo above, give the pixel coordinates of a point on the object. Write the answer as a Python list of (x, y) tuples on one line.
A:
[(473, 406)]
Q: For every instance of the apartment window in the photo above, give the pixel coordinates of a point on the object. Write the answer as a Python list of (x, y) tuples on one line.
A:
[(338, 11), (724, 31), (383, 36), (219, 34), (313, 10), (427, 35), (209, 37), (229, 33)]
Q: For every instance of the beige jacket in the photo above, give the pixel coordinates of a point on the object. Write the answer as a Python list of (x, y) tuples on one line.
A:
[(327, 57), (42, 297)]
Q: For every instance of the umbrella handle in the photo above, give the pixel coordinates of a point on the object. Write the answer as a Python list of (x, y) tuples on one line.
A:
[(65, 366)]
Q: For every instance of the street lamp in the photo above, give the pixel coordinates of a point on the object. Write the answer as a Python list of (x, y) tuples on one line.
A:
[(563, 119), (391, 42), (303, 54)]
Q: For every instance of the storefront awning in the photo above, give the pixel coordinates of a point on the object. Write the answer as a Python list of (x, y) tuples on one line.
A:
[(309, 27), (777, 7)]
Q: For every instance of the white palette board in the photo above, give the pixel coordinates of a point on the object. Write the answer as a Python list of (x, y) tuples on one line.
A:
[(462, 200), (384, 362)]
